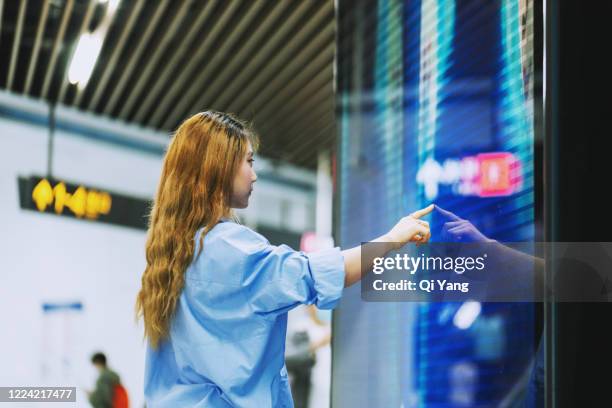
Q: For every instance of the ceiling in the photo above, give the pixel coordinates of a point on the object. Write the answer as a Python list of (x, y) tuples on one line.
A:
[(268, 61)]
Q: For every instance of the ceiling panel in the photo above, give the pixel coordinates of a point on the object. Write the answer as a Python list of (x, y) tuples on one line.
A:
[(268, 61)]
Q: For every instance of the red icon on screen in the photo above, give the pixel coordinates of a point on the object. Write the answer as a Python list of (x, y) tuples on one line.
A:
[(485, 175), (499, 174)]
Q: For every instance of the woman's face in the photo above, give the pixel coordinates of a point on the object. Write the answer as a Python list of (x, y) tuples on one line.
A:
[(243, 181)]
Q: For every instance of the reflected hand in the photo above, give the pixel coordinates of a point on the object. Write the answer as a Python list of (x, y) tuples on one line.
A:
[(456, 229)]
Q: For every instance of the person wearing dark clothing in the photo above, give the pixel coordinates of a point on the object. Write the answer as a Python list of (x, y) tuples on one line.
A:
[(103, 395)]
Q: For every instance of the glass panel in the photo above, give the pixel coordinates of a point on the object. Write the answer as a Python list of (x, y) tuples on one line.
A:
[(435, 103)]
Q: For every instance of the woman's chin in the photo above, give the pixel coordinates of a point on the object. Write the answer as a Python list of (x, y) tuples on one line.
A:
[(240, 204)]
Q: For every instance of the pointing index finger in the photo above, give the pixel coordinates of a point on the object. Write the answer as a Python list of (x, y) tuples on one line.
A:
[(447, 214), (422, 212)]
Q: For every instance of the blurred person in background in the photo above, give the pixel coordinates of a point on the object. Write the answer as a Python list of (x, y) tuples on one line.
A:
[(109, 393), (307, 334), (215, 294)]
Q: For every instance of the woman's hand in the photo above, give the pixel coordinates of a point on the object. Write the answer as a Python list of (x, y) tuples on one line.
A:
[(411, 229)]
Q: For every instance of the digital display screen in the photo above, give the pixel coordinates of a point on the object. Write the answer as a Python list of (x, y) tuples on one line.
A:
[(435, 104)]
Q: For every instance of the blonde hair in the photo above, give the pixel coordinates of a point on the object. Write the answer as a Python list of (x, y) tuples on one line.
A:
[(194, 192)]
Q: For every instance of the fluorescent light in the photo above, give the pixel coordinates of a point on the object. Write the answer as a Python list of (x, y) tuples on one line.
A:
[(467, 314), (112, 5), (84, 59)]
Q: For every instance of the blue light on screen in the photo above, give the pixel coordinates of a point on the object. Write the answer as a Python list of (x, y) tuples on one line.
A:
[(435, 104)]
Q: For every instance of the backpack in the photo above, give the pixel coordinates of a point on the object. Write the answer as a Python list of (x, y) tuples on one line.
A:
[(120, 397)]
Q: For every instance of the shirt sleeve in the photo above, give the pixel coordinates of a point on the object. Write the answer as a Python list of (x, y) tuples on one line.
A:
[(278, 278)]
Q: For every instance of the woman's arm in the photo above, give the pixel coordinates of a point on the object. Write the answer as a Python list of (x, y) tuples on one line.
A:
[(409, 229)]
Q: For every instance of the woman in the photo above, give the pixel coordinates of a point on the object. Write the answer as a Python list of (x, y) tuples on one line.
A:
[(215, 294)]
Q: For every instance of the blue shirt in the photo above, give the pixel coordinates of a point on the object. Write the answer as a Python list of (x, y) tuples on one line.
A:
[(227, 340)]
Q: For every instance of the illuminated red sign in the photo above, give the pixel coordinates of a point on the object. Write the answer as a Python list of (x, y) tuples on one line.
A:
[(499, 174)]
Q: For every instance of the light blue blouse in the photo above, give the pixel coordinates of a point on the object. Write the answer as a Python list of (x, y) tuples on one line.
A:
[(227, 341)]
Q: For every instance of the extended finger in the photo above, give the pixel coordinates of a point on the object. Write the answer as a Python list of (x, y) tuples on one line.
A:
[(447, 214), (422, 212), (451, 224), (456, 230)]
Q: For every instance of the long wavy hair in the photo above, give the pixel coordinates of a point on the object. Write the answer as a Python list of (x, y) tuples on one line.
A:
[(194, 192)]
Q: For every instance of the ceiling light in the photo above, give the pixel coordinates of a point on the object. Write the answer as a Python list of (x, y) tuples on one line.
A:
[(84, 59)]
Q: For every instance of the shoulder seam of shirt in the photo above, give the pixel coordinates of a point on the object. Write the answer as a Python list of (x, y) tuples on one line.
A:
[(251, 232), (258, 238)]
